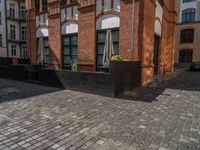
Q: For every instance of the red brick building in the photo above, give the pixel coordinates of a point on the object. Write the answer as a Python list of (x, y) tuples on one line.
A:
[(75, 31)]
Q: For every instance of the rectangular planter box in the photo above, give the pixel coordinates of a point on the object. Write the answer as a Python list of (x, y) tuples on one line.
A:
[(123, 76), (96, 83)]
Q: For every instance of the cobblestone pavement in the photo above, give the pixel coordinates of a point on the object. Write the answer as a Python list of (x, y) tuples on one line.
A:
[(37, 117)]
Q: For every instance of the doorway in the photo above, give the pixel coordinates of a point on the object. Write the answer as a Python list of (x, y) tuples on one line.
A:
[(156, 53)]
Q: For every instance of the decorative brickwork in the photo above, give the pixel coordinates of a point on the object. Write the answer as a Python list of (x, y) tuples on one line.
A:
[(143, 38)]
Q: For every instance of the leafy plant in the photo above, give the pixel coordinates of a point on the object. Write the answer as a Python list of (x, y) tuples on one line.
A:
[(117, 58), (74, 67)]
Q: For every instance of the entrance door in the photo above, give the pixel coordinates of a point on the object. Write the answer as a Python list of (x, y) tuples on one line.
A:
[(156, 53)]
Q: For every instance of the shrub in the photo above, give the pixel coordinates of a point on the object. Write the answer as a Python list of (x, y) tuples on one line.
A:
[(74, 67), (117, 58)]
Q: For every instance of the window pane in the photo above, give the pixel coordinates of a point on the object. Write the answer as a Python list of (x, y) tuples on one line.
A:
[(100, 49), (99, 60), (66, 41), (115, 36), (66, 50), (116, 48), (46, 59), (75, 59), (74, 50), (46, 51), (74, 40), (66, 59), (101, 37), (45, 42)]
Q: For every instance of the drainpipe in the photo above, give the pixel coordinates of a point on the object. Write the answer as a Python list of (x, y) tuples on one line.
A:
[(28, 31), (6, 24), (132, 31)]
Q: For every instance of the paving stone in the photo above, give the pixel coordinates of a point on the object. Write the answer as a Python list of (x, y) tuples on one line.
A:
[(163, 115)]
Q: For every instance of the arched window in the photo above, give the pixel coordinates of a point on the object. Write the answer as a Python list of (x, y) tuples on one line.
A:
[(188, 15), (187, 36), (185, 55)]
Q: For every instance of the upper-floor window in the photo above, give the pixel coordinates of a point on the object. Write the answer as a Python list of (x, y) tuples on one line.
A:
[(44, 5), (65, 2), (12, 10), (0, 18), (41, 5), (23, 12), (188, 15), (12, 32), (13, 50), (1, 43), (186, 1), (23, 33), (187, 36)]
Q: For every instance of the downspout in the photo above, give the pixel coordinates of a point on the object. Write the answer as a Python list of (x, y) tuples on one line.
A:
[(28, 33), (6, 24), (132, 30)]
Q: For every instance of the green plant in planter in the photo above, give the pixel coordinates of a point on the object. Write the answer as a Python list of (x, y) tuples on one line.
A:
[(74, 66), (117, 58)]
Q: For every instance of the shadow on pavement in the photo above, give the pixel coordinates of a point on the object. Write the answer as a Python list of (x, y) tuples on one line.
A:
[(181, 79), (13, 90)]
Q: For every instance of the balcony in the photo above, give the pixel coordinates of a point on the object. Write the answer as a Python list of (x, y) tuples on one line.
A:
[(16, 39), (16, 15)]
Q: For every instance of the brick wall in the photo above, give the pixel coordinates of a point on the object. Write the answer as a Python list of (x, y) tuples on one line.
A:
[(87, 38), (144, 22), (55, 57)]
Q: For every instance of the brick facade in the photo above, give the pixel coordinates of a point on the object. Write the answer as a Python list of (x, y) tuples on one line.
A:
[(144, 23)]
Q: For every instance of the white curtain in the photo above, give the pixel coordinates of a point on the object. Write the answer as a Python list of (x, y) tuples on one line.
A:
[(40, 51), (108, 49)]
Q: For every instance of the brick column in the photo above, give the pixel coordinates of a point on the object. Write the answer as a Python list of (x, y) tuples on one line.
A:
[(148, 40), (168, 39), (171, 36), (126, 11), (54, 21), (87, 35), (31, 31)]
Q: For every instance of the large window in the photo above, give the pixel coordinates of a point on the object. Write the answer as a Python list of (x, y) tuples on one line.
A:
[(185, 56), (70, 50), (1, 40), (37, 4), (12, 10), (186, 1), (13, 50), (23, 33), (101, 37), (12, 32), (188, 15), (44, 52), (24, 51), (44, 5), (23, 12), (187, 36), (63, 2), (0, 18)]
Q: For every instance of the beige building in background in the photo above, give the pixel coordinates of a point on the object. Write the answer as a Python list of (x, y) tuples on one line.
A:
[(188, 31)]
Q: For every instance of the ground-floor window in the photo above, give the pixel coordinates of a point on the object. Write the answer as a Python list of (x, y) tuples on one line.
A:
[(24, 51), (70, 50), (13, 50), (185, 55), (43, 51), (101, 40)]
